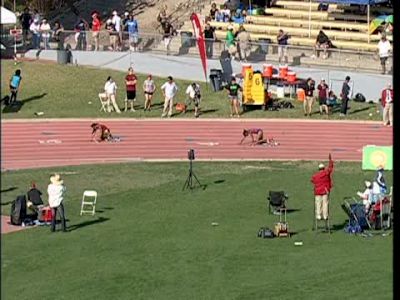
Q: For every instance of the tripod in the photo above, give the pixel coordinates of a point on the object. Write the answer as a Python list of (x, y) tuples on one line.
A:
[(189, 181)]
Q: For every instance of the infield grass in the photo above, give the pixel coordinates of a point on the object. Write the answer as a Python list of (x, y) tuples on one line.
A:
[(151, 240), (61, 91)]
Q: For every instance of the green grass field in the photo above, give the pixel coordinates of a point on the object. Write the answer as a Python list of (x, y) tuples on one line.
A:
[(151, 240), (65, 91)]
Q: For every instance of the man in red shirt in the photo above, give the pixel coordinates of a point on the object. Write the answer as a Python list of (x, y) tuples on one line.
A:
[(130, 82), (96, 26), (387, 104), (322, 186)]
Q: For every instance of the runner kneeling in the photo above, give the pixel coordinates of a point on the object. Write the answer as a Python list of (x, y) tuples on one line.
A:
[(257, 137), (100, 133)]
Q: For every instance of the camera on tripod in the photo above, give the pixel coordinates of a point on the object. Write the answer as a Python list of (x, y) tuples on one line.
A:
[(191, 154)]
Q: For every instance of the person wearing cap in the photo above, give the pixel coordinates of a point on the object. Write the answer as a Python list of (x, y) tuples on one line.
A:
[(149, 88), (116, 20), (323, 96), (366, 196), (345, 95), (169, 90), (96, 26), (80, 35), (233, 89), (194, 95), (56, 191), (130, 82), (309, 100), (322, 181), (110, 27), (387, 105), (384, 50), (35, 30)]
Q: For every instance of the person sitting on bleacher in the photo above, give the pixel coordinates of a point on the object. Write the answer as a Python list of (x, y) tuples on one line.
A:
[(237, 17), (226, 13), (322, 43), (366, 196), (213, 12)]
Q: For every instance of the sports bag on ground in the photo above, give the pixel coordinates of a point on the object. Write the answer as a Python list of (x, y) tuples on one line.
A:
[(18, 210)]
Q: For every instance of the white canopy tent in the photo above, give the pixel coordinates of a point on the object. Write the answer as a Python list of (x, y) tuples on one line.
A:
[(7, 16)]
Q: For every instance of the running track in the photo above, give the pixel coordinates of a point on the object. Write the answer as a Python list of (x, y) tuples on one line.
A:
[(46, 143)]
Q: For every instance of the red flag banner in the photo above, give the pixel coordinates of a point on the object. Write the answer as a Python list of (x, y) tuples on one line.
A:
[(201, 44)]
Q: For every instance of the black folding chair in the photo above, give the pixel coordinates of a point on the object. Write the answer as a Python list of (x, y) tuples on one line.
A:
[(277, 201)]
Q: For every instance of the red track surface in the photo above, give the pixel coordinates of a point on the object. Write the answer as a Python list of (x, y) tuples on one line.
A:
[(30, 144)]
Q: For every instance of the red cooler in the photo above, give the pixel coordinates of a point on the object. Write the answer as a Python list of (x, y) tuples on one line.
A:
[(267, 70), (283, 70), (291, 77), (244, 68)]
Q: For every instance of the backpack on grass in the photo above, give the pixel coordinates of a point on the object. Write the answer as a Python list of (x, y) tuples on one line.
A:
[(18, 210)]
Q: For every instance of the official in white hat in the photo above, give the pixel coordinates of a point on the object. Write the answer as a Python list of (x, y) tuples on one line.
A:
[(56, 191)]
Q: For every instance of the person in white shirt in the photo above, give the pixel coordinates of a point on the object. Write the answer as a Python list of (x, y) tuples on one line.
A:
[(35, 29), (45, 32), (110, 88), (169, 90), (56, 191), (366, 196), (193, 91), (116, 20), (384, 49)]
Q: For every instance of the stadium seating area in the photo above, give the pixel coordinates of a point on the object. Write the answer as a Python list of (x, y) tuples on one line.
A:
[(347, 29)]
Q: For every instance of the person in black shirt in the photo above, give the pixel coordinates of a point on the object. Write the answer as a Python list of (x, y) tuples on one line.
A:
[(282, 39), (345, 96), (26, 20), (35, 202), (167, 35), (213, 11), (233, 92), (209, 35), (309, 100)]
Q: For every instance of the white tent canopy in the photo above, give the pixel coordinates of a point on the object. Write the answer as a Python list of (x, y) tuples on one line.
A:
[(7, 16)]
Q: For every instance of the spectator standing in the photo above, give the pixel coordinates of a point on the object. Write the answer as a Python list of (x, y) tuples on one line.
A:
[(387, 104), (56, 191), (124, 27), (15, 82), (35, 29), (209, 35), (322, 181), (116, 20), (345, 95), (230, 42), (110, 88), (130, 82), (194, 95), (309, 100), (112, 33), (149, 88), (244, 43), (80, 35), (45, 33), (213, 11), (384, 49), (282, 40), (322, 97), (169, 90), (167, 36), (26, 20), (162, 17), (233, 94), (133, 32), (96, 27), (58, 34)]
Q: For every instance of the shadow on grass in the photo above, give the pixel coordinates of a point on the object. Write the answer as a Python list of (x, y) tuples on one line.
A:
[(87, 223), (17, 105), (219, 181), (9, 189), (359, 110)]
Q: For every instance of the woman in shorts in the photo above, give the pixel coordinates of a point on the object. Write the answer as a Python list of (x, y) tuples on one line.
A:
[(233, 92), (149, 88), (100, 132)]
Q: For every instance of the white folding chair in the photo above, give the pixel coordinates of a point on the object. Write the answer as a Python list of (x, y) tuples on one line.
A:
[(88, 207), (104, 101)]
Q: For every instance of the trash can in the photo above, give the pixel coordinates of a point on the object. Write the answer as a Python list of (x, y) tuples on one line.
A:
[(264, 45), (216, 79), (187, 40), (63, 57)]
